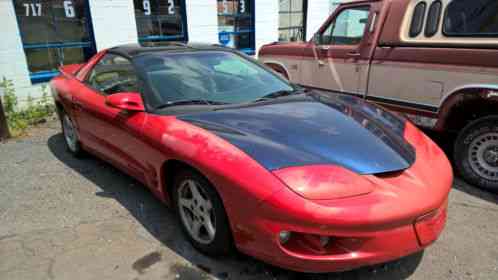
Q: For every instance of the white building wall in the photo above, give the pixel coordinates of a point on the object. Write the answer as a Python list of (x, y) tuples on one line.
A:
[(113, 22), (202, 21), (13, 65), (266, 22)]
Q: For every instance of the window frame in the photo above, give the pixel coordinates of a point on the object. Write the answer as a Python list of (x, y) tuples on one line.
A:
[(422, 20), (436, 21), (462, 35), (166, 38), (47, 75), (333, 21), (86, 79), (252, 30), (305, 19)]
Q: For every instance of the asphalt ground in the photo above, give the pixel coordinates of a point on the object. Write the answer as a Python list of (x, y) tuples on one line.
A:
[(67, 218)]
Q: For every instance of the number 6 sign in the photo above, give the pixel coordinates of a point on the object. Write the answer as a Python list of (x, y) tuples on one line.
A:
[(69, 9)]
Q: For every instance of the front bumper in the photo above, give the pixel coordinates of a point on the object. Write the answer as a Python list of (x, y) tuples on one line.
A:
[(346, 250), (404, 214)]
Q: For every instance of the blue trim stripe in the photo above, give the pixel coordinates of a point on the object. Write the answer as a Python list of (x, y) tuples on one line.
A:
[(58, 45), (239, 31), (234, 15), (160, 37), (43, 76)]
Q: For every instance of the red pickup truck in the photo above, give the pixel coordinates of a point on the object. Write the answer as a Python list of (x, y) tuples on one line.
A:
[(434, 60)]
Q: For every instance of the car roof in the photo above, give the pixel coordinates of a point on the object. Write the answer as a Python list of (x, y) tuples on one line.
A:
[(133, 50)]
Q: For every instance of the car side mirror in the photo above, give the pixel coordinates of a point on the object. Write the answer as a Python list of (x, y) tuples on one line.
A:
[(128, 101)]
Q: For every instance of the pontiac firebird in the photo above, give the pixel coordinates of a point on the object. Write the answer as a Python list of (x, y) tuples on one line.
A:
[(302, 179)]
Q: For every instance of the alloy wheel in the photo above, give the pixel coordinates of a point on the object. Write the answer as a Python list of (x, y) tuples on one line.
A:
[(70, 133), (196, 211)]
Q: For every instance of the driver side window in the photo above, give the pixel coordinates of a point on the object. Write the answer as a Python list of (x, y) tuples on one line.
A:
[(113, 74), (347, 28)]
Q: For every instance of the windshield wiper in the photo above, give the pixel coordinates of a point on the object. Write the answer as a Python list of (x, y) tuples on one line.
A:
[(277, 94), (188, 102)]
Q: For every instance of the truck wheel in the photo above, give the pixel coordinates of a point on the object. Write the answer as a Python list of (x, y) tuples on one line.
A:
[(476, 153)]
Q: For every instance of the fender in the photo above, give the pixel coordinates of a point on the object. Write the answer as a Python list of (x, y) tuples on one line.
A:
[(278, 67), (482, 92)]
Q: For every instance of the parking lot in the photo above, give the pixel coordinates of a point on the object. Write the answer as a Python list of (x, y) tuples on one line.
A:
[(65, 218)]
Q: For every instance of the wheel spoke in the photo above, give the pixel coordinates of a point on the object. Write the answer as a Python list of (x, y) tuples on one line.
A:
[(196, 227), (209, 226), (195, 192), (187, 203)]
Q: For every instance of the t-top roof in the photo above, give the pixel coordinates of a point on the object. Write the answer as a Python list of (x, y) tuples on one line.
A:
[(133, 50)]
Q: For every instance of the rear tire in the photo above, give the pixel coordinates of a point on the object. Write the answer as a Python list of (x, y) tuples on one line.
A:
[(201, 214), (71, 136), (476, 153)]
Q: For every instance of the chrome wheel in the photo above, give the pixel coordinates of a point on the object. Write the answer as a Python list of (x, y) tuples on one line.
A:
[(70, 134), (196, 211), (483, 156)]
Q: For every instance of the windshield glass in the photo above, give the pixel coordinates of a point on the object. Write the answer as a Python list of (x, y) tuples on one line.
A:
[(213, 76)]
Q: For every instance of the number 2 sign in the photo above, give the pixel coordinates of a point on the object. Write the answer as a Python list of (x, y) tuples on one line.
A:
[(148, 10)]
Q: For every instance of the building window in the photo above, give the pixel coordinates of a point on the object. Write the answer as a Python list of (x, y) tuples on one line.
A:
[(236, 24), (292, 18), (418, 19), (54, 33), (471, 18), (161, 20)]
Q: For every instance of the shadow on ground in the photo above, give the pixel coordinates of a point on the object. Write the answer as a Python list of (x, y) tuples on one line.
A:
[(162, 225)]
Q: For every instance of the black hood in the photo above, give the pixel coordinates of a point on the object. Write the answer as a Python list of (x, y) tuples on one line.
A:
[(316, 128)]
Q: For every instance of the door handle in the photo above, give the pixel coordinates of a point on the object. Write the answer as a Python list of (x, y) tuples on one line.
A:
[(77, 106)]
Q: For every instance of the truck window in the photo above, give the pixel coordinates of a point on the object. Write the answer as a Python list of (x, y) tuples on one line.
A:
[(473, 18), (418, 19), (433, 19), (347, 28)]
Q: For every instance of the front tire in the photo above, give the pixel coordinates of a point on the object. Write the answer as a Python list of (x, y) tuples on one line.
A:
[(201, 214), (71, 137), (476, 153)]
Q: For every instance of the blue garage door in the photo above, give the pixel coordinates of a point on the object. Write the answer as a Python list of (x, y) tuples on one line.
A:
[(54, 33), (161, 20), (236, 24)]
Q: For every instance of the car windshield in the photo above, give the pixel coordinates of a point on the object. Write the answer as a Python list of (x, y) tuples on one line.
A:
[(206, 77)]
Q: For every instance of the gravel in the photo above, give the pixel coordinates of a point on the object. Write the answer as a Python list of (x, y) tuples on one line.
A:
[(67, 218)]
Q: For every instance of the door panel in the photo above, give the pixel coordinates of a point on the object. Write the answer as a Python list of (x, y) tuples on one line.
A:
[(341, 49), (114, 134)]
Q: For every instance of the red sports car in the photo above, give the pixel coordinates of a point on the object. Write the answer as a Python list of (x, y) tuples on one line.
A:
[(306, 180)]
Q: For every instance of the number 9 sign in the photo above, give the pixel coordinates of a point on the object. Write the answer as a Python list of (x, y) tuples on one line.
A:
[(146, 5)]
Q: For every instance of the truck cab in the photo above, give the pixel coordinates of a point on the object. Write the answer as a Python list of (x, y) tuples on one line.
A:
[(434, 60)]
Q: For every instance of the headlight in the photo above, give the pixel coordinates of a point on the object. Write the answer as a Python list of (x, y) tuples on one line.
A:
[(324, 181)]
